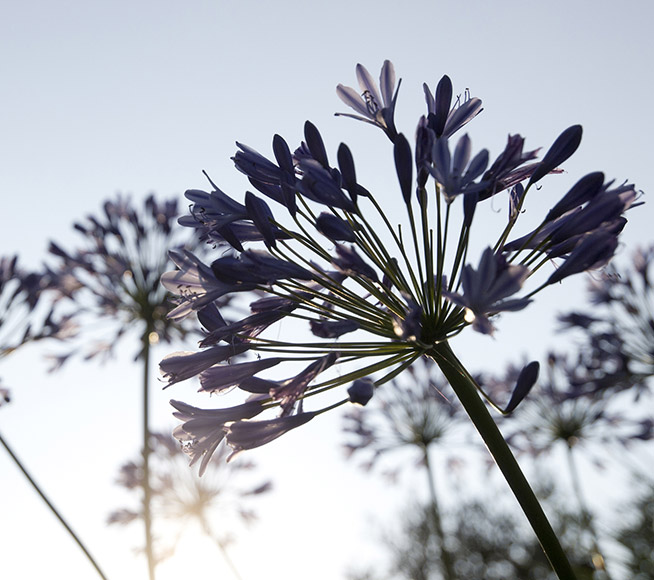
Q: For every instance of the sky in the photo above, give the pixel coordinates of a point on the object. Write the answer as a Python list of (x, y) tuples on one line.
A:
[(137, 97)]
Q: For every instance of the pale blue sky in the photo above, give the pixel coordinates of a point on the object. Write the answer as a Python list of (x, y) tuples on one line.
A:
[(100, 97)]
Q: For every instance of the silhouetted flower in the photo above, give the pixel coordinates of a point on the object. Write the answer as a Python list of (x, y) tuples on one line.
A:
[(377, 297)]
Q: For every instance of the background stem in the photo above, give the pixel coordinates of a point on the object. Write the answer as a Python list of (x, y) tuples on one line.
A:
[(446, 557), (587, 518), (147, 490), (54, 510)]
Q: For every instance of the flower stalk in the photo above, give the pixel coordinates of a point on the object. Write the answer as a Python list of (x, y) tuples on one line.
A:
[(466, 390)]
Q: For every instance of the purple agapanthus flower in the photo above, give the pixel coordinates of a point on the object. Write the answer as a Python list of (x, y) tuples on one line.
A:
[(485, 290), (372, 105), (377, 288)]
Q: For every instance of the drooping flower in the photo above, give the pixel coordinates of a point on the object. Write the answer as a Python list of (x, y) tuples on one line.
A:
[(378, 290)]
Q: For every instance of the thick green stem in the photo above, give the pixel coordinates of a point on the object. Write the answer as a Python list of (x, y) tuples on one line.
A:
[(446, 557), (147, 490), (54, 510), (466, 390)]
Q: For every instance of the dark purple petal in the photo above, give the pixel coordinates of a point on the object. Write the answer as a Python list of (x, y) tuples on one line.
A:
[(243, 435), (221, 377), (333, 328), (404, 166), (593, 252), (334, 228), (179, 366), (322, 185), (526, 380), (346, 166), (260, 214), (283, 154), (581, 192), (256, 166), (361, 391), (254, 267), (349, 262), (315, 144), (461, 116), (561, 150), (245, 329), (203, 430), (289, 391), (442, 102)]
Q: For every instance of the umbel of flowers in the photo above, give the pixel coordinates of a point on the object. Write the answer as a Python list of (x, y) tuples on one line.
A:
[(314, 245)]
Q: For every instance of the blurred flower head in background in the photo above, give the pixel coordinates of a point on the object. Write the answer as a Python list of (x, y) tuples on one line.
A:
[(618, 334), (221, 504), (552, 416), (110, 282), (26, 315)]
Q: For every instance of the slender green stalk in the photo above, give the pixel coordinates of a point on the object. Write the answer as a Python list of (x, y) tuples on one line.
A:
[(446, 557), (54, 510), (466, 390), (147, 490)]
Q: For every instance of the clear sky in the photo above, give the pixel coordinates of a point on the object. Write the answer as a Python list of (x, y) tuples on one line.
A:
[(102, 97)]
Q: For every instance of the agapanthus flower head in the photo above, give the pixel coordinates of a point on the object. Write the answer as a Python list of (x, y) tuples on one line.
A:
[(26, 314), (378, 288), (618, 335), (113, 275), (221, 503)]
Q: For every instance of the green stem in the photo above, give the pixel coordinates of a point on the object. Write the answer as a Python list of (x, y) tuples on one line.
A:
[(466, 390), (446, 557), (147, 490), (52, 508)]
